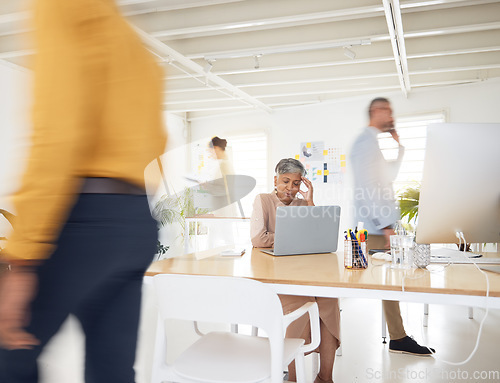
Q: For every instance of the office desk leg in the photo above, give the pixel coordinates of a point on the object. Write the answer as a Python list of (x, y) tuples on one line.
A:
[(426, 314), (384, 327)]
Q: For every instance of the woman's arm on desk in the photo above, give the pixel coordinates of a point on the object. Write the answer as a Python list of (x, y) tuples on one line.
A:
[(259, 231)]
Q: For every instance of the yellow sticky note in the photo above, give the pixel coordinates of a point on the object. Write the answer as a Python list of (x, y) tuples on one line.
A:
[(297, 156), (326, 172), (342, 157), (308, 145), (325, 152), (318, 172), (342, 164)]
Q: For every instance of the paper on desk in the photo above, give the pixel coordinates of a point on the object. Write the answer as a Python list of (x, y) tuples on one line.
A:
[(232, 252), (207, 253), (382, 256), (223, 251)]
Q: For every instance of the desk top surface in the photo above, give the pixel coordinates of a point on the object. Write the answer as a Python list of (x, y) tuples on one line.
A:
[(328, 270)]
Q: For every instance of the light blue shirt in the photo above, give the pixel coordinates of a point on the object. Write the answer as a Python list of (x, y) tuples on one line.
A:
[(374, 200)]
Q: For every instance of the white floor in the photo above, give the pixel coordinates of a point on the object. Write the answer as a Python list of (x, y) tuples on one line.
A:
[(364, 359)]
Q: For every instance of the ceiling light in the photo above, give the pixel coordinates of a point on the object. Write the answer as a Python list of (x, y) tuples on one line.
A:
[(257, 63), (349, 52), (286, 49), (208, 66)]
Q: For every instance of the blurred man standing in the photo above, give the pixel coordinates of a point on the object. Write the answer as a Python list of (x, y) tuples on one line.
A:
[(83, 234), (375, 205)]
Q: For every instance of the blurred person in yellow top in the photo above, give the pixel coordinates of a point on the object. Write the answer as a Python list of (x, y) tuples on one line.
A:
[(83, 235)]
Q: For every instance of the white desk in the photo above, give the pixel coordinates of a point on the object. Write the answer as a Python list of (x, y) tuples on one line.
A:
[(324, 275)]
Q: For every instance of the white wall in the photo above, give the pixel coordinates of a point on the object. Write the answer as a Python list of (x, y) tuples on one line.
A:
[(338, 123), (15, 117), (14, 123)]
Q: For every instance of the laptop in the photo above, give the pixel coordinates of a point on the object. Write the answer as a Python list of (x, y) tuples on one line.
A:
[(306, 230)]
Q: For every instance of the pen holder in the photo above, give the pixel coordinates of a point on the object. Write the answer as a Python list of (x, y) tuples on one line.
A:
[(421, 254), (355, 254)]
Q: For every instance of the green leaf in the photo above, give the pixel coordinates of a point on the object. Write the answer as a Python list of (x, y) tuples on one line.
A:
[(408, 202)]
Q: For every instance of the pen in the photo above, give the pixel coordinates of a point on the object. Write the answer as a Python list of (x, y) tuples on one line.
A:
[(357, 249)]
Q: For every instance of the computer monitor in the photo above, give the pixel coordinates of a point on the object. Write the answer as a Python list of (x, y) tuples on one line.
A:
[(461, 184)]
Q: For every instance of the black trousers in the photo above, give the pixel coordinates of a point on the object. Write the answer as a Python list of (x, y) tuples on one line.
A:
[(96, 274)]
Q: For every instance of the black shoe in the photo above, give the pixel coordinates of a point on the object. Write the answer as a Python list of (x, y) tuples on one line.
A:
[(408, 345)]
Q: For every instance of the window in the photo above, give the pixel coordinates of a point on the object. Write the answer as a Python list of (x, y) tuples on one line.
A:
[(413, 133), (249, 156)]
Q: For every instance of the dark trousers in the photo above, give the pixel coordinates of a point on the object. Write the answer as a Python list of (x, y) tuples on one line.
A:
[(95, 274)]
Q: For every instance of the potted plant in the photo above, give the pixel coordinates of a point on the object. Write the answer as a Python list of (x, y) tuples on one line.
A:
[(173, 209), (408, 204)]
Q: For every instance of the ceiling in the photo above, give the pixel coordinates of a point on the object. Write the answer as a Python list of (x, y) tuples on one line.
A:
[(226, 56)]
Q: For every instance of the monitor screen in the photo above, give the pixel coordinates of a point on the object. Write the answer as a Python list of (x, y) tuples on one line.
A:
[(461, 184)]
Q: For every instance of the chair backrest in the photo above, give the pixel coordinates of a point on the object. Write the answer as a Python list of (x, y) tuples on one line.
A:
[(224, 300), (219, 300)]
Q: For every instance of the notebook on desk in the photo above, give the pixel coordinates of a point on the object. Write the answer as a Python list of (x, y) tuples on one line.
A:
[(306, 230)]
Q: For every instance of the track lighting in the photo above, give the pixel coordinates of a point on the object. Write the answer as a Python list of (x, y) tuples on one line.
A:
[(208, 66), (349, 52)]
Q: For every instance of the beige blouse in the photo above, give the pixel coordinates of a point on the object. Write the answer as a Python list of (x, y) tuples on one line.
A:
[(263, 221)]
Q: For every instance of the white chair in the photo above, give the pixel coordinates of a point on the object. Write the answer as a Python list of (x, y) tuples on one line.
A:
[(219, 357)]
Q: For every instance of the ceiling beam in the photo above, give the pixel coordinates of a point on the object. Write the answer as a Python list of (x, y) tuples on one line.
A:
[(260, 86), (289, 48), (422, 5), (377, 82), (220, 24), (170, 6), (191, 108), (14, 54), (14, 17), (268, 23), (170, 54), (263, 69), (14, 66), (395, 27)]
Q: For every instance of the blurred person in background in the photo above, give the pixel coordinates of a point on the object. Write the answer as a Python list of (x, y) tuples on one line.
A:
[(83, 234), (290, 174), (218, 183), (221, 193), (376, 206), (218, 145)]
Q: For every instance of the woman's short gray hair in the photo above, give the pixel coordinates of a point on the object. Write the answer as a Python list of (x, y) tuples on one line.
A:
[(290, 165)]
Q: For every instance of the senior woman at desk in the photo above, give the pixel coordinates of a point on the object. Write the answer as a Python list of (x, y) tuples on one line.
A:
[(289, 176)]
